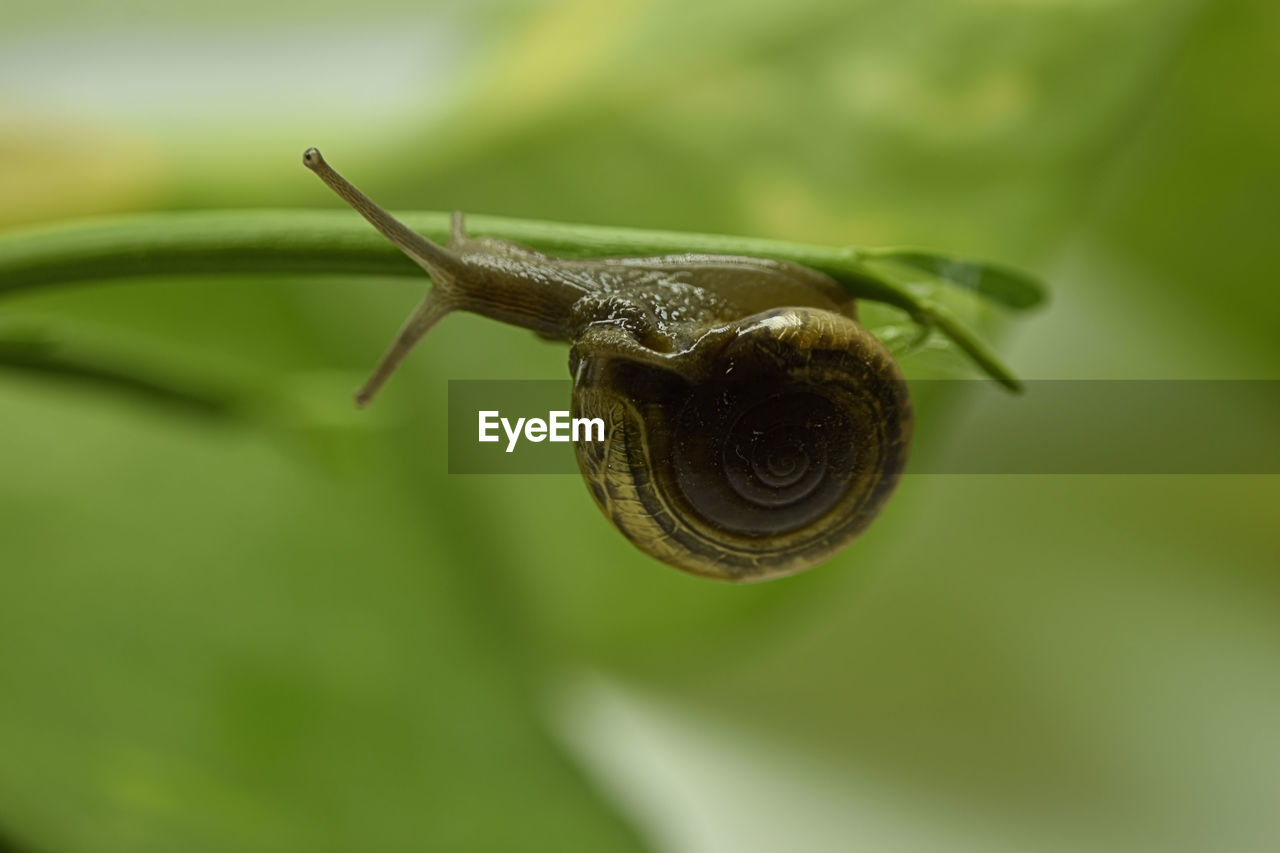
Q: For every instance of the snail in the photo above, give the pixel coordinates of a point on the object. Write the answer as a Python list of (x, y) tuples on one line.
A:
[(753, 427)]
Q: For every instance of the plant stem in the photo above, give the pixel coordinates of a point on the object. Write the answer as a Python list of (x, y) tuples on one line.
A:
[(322, 242)]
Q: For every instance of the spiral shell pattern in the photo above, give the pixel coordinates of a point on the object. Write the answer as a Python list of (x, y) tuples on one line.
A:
[(776, 456)]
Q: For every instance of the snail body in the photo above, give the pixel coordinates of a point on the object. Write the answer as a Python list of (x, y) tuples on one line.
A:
[(753, 427)]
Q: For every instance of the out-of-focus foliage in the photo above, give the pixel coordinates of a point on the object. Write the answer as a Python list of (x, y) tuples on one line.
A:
[(217, 635)]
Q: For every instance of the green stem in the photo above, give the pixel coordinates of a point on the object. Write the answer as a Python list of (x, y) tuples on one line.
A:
[(40, 354), (314, 242)]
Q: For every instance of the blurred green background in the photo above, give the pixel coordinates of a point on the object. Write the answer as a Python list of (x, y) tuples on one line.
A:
[(226, 633)]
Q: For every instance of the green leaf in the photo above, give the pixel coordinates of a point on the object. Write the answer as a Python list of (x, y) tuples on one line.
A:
[(1004, 285)]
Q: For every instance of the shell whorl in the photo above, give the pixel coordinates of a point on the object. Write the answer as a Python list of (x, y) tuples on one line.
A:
[(778, 454)]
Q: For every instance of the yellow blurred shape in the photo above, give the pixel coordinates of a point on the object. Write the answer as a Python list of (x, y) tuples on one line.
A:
[(898, 95), (783, 206), (52, 170), (556, 55)]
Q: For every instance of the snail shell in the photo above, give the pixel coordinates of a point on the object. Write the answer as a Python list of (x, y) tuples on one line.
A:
[(776, 455)]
